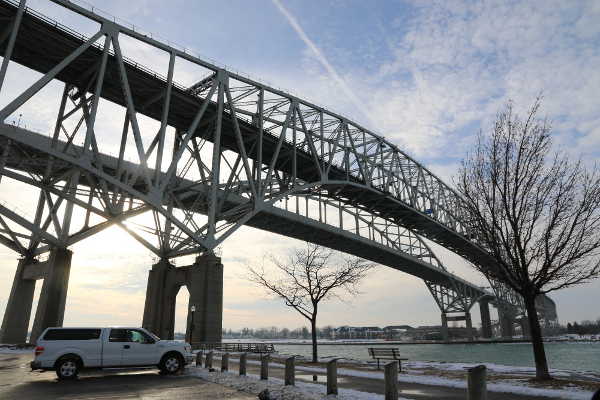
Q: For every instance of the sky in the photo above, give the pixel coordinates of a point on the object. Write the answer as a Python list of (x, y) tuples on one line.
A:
[(426, 75)]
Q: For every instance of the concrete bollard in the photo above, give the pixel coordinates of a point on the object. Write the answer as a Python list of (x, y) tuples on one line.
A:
[(208, 360), (477, 388), (290, 371), (332, 387), (264, 367), (391, 381), (199, 359), (243, 362), (225, 362)]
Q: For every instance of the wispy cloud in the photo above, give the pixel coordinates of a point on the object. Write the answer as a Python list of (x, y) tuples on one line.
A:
[(360, 105)]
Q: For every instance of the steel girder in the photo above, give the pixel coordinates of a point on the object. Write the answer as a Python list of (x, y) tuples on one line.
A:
[(264, 146), (308, 142)]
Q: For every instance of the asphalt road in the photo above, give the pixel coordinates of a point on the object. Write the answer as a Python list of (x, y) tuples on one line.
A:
[(17, 382)]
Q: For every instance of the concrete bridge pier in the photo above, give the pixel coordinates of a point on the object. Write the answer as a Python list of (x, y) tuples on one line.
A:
[(206, 295), (469, 325), (204, 281), (18, 307), (51, 305), (159, 308), (507, 330), (524, 322), (486, 320), (445, 332), (466, 316)]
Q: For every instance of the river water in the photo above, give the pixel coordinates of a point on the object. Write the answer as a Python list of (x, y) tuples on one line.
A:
[(575, 356)]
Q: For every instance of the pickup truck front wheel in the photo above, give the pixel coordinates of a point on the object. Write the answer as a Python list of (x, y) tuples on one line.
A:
[(67, 368), (171, 363)]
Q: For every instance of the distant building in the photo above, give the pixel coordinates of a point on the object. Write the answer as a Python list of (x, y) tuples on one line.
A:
[(399, 332), (358, 332), (435, 333), (396, 331)]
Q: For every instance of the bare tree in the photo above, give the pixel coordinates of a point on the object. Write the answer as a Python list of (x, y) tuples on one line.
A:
[(535, 211), (309, 276)]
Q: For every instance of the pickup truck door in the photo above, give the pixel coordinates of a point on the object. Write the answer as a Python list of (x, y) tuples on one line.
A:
[(113, 348), (140, 349)]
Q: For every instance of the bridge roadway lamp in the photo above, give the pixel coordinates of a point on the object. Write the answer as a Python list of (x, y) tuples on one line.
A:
[(192, 310)]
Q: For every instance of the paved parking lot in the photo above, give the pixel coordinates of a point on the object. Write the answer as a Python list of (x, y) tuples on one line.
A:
[(17, 382)]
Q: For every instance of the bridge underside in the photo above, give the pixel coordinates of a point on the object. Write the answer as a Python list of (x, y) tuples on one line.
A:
[(41, 46), (267, 147), (28, 153)]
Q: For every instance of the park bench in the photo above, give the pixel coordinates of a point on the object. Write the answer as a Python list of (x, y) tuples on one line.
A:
[(390, 353)]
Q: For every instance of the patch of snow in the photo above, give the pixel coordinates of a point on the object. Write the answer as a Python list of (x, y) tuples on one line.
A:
[(574, 393), (301, 391), (504, 369), (12, 349)]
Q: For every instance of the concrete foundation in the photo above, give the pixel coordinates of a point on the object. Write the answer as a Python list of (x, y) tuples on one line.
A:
[(18, 307), (469, 325), (445, 333), (507, 330), (159, 308), (486, 320), (51, 305), (524, 322), (206, 295), (466, 316), (204, 281)]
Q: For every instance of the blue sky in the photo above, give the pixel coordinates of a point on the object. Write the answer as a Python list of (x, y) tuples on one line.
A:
[(427, 75)]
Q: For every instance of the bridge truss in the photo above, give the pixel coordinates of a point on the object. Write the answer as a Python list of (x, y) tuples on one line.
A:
[(195, 162)]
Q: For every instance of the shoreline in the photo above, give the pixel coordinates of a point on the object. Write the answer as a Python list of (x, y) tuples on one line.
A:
[(399, 343)]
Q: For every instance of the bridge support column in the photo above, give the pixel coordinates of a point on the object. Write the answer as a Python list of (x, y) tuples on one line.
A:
[(206, 295), (506, 325), (51, 305), (469, 325), (18, 308), (445, 333), (524, 322), (486, 320), (159, 308)]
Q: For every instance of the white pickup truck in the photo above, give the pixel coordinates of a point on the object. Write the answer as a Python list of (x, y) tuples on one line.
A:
[(68, 350)]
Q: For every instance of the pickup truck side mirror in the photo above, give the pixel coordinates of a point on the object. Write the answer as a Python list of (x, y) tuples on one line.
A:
[(150, 341)]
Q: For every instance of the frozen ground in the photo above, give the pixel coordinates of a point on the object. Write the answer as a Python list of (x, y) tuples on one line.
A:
[(302, 390), (14, 349), (502, 379)]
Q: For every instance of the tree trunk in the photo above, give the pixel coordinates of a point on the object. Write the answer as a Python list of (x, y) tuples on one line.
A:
[(313, 327), (539, 354)]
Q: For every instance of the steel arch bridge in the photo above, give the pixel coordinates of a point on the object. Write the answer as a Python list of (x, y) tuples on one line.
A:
[(224, 152)]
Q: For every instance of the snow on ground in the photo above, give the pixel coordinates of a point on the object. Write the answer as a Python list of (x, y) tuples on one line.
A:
[(491, 367), (515, 387), (302, 391), (13, 349)]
